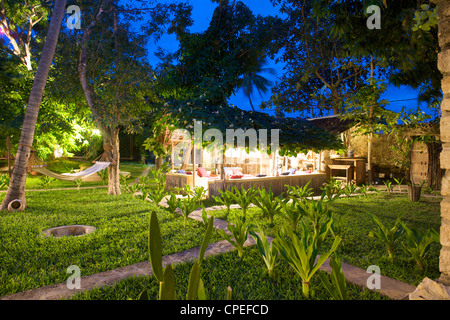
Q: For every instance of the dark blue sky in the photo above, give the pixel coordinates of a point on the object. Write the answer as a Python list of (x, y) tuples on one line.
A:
[(202, 13)]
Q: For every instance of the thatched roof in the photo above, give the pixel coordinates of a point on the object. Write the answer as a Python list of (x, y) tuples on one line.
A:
[(334, 124)]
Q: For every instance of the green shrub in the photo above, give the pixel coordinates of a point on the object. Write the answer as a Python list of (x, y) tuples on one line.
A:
[(302, 252), (338, 285), (389, 236), (417, 244), (244, 198), (240, 231), (267, 250), (265, 200), (226, 198)]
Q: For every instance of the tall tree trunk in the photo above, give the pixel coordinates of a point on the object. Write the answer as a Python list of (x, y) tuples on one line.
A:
[(19, 175), (444, 67), (370, 175), (110, 134), (111, 149)]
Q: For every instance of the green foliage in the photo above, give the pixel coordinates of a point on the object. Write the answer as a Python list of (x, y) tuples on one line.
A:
[(425, 18), (165, 276), (349, 189), (299, 192), (338, 285), (388, 185), (399, 183), (46, 181), (187, 206), (289, 211), (240, 231), (244, 198), (172, 205), (301, 252), (389, 236), (226, 198), (417, 244), (316, 210), (265, 200), (332, 189), (4, 181), (267, 250)]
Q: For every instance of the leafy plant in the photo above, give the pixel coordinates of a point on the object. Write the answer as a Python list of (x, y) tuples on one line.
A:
[(266, 249), (389, 186), (165, 276), (226, 198), (417, 244), (399, 183), (78, 183), (332, 189), (244, 198), (240, 231), (4, 181), (172, 205), (187, 206), (199, 193), (289, 211), (46, 181), (156, 194), (337, 287), (265, 200), (349, 189), (387, 235), (299, 192), (302, 253), (315, 210)]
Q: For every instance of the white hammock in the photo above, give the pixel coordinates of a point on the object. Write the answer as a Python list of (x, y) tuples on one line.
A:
[(98, 166)]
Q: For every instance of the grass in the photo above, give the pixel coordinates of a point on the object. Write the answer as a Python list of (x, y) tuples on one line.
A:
[(360, 250), (29, 260), (247, 276)]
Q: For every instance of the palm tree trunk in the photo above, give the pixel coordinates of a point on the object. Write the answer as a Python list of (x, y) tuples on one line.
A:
[(444, 67), (19, 175)]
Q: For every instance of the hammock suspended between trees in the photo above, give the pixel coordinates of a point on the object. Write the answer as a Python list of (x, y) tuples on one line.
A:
[(36, 164)]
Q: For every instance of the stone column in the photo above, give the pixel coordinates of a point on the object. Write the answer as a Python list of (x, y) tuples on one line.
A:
[(444, 67)]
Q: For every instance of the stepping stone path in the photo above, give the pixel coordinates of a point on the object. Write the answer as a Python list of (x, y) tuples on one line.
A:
[(392, 288)]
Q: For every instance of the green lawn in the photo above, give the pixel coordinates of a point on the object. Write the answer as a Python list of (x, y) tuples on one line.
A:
[(30, 260)]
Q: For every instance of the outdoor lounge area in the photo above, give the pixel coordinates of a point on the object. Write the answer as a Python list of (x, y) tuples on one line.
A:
[(224, 158)]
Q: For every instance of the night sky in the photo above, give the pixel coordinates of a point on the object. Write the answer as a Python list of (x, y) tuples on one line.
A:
[(202, 13)]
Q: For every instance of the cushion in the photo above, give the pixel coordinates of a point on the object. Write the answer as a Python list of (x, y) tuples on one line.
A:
[(236, 171), (236, 176), (285, 173), (228, 171), (261, 175), (202, 172), (292, 170), (181, 171), (189, 172)]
